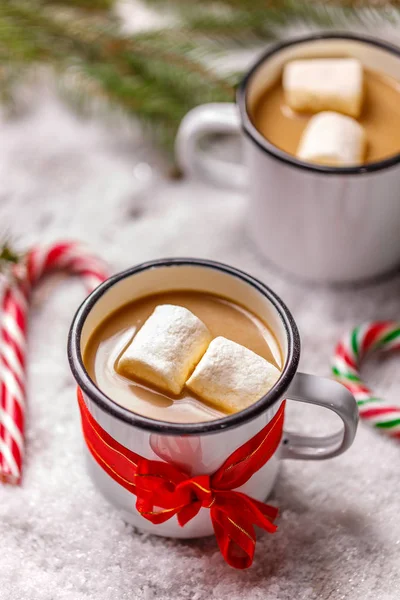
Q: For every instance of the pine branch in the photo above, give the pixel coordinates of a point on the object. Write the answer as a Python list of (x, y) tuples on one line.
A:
[(9, 256), (91, 5), (154, 79), (244, 21), (156, 76)]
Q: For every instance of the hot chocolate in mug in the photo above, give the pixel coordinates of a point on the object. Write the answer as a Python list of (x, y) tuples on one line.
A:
[(201, 448), (320, 223)]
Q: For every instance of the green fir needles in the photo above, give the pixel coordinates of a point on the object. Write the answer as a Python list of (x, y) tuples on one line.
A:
[(155, 75)]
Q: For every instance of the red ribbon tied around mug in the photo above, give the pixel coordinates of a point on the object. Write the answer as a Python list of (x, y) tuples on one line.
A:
[(163, 490)]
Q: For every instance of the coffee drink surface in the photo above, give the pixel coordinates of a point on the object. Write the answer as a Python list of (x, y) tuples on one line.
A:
[(221, 316), (380, 118)]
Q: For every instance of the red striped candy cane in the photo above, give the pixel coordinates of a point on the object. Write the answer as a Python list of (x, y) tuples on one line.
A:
[(39, 261), (350, 352)]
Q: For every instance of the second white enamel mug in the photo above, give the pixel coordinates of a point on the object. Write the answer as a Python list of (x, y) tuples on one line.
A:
[(324, 224), (201, 448)]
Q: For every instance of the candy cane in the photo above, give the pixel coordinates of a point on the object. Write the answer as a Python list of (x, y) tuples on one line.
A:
[(350, 352), (39, 261)]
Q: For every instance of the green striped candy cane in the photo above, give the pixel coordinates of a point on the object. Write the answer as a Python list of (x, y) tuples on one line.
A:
[(350, 352)]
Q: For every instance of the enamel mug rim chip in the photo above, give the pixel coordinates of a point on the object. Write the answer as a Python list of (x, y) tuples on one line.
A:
[(152, 425), (251, 131)]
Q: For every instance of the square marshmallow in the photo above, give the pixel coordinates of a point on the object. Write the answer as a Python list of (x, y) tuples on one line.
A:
[(231, 376), (334, 140), (320, 84), (166, 348)]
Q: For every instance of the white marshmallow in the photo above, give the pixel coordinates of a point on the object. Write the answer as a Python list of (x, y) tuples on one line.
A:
[(166, 348), (320, 84), (332, 139), (231, 376)]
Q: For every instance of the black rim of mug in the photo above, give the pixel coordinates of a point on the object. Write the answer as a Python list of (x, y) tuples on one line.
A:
[(251, 131), (152, 425)]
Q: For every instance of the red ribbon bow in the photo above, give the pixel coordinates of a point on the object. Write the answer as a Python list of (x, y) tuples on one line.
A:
[(163, 490)]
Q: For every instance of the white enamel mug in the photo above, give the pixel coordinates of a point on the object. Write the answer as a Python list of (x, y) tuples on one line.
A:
[(324, 224), (201, 448)]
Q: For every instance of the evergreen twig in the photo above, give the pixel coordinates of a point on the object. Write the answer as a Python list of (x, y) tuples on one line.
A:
[(156, 76)]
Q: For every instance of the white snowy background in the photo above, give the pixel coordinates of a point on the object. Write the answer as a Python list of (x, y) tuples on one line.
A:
[(339, 531)]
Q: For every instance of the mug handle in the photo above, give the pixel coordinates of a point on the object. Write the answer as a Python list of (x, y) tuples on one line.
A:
[(329, 394), (209, 119)]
